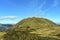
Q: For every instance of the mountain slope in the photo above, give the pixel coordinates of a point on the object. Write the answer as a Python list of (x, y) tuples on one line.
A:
[(36, 23), (33, 29)]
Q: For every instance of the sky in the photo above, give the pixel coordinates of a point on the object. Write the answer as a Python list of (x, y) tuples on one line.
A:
[(13, 11)]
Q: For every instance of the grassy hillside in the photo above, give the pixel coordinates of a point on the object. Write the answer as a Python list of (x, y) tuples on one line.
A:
[(1, 35), (33, 29), (36, 23)]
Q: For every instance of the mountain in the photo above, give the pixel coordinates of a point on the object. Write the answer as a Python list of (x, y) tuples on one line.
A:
[(33, 29), (4, 27), (58, 24), (36, 23)]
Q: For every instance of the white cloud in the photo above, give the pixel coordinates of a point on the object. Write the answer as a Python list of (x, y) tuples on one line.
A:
[(43, 12), (41, 5), (55, 3), (8, 17), (40, 11)]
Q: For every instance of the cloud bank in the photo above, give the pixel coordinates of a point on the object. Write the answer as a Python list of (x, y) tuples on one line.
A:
[(8, 17)]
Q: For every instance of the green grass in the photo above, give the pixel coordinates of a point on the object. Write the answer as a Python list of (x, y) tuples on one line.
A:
[(33, 29), (1, 34)]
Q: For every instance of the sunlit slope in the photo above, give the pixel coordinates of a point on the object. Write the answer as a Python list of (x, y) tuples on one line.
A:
[(35, 23), (33, 29)]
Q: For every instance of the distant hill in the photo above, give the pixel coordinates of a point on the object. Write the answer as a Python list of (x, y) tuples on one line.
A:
[(33, 29), (4, 27), (58, 24)]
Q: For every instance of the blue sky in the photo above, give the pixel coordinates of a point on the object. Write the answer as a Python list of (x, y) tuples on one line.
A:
[(12, 11)]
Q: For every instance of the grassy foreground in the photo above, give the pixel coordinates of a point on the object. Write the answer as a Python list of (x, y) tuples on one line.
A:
[(1, 35)]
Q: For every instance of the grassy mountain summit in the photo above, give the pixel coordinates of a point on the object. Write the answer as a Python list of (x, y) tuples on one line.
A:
[(35, 22), (33, 29)]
